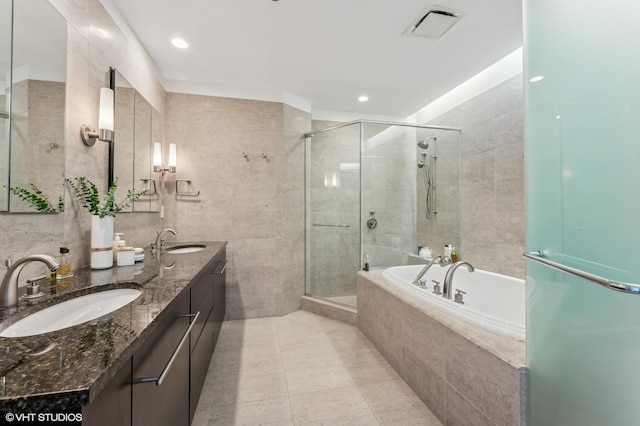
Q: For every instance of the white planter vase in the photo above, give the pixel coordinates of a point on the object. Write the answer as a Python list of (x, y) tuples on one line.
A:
[(101, 242)]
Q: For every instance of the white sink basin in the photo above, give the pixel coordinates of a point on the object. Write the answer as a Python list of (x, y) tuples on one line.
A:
[(71, 312), (191, 248)]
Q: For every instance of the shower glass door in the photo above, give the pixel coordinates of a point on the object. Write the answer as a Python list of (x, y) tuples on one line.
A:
[(333, 213), (583, 210)]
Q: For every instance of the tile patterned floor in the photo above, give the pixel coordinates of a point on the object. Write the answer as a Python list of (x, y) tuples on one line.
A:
[(303, 369)]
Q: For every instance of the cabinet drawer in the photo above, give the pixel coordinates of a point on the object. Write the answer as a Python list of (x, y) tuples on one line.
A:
[(200, 358), (168, 403), (204, 306)]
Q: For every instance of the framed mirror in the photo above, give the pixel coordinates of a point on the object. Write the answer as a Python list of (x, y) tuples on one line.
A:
[(137, 125), (35, 95)]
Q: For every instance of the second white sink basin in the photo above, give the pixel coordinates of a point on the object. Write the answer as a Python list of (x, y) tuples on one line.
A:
[(185, 248), (72, 312)]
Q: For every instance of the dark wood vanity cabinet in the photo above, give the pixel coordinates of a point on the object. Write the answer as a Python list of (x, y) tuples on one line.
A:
[(128, 401), (133, 397)]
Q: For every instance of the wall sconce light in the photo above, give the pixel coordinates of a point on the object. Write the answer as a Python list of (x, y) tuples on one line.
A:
[(105, 121), (157, 158)]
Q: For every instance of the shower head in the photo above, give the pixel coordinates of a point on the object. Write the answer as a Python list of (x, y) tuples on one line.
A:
[(425, 143)]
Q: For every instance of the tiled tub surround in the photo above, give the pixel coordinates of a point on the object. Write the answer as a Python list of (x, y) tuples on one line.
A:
[(464, 374), (86, 356)]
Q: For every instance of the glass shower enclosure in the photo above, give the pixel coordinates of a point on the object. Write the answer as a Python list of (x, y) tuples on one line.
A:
[(373, 195)]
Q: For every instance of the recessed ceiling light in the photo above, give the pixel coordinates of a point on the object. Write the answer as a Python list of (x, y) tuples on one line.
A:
[(363, 98), (179, 43), (536, 78)]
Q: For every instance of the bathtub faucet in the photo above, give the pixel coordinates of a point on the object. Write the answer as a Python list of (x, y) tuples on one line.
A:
[(447, 284), (440, 260)]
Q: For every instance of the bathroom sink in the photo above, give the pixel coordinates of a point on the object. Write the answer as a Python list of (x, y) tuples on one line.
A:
[(71, 312), (185, 248)]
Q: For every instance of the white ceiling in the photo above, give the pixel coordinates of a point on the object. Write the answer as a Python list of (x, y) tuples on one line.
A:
[(327, 52)]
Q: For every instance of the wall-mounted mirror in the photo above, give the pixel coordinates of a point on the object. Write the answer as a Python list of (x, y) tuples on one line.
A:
[(137, 125), (35, 97)]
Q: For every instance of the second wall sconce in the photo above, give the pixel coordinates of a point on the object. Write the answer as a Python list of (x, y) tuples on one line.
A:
[(105, 121), (157, 158)]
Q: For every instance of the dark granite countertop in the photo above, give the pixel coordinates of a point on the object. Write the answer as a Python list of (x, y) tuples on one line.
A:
[(68, 368)]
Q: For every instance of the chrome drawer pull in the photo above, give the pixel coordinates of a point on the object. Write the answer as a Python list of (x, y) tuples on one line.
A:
[(167, 367), (221, 271)]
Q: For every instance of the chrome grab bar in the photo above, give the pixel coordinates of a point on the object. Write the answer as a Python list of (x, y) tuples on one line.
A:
[(167, 367), (623, 287), (331, 226)]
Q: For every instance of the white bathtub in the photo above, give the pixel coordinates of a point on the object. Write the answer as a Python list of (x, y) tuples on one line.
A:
[(493, 301)]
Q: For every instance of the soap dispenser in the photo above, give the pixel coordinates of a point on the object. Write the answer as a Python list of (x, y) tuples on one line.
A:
[(116, 243)]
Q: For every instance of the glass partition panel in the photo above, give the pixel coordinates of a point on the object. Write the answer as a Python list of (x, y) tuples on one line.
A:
[(582, 152), (333, 213), (410, 192), (374, 192)]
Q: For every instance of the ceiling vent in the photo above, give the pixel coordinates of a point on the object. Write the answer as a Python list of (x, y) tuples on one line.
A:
[(433, 23)]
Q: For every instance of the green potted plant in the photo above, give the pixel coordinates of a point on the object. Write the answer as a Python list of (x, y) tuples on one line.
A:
[(36, 199), (88, 196), (102, 213)]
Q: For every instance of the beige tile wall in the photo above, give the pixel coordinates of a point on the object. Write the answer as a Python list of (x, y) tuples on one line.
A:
[(255, 203), (492, 183)]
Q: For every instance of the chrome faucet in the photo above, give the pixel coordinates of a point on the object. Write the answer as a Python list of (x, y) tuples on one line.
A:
[(447, 284), (9, 286), (440, 260), (159, 244)]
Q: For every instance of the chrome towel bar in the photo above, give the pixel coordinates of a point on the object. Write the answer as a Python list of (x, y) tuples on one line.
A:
[(623, 287), (332, 226)]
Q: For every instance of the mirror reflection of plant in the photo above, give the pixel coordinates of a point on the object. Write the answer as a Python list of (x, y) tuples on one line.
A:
[(37, 199), (88, 196)]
